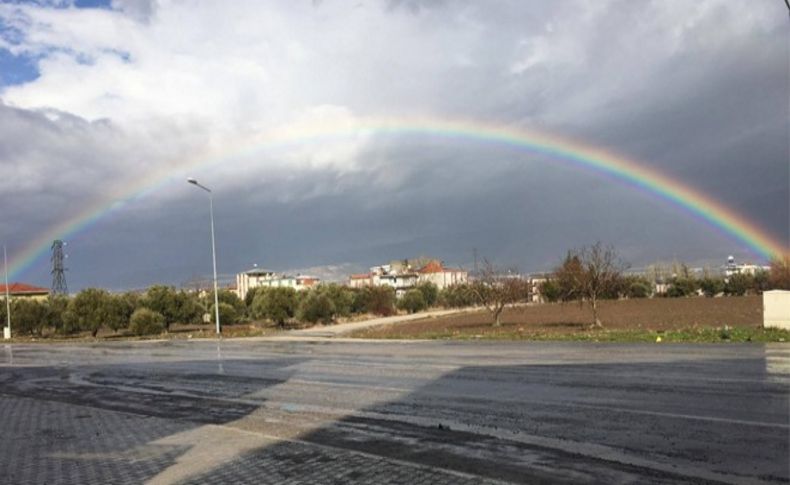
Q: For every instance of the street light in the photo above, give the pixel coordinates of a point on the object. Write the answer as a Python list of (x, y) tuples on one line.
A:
[(7, 329), (213, 247)]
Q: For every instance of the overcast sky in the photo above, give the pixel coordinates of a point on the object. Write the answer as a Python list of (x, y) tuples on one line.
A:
[(96, 96)]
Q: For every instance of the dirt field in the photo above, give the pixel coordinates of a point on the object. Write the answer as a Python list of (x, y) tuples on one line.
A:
[(649, 315)]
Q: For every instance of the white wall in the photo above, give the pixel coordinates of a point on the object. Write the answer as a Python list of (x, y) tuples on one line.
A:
[(776, 309)]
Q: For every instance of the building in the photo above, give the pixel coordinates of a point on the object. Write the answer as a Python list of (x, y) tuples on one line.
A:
[(401, 275), (360, 280), (732, 268), (434, 272), (259, 277), (23, 290)]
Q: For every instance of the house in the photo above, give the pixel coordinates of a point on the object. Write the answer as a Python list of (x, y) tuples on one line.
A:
[(360, 280), (434, 272), (259, 277), (23, 290), (401, 275)]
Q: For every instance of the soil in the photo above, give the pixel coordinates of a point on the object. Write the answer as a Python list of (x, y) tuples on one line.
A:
[(657, 314)]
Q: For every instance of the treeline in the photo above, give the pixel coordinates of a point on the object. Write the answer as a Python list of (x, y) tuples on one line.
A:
[(563, 284), (160, 307)]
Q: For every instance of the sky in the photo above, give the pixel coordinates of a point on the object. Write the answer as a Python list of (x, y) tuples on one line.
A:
[(111, 104)]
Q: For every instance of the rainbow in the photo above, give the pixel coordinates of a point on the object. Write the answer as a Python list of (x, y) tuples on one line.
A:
[(577, 153)]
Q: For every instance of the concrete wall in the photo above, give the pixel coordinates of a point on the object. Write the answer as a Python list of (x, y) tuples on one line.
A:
[(776, 309)]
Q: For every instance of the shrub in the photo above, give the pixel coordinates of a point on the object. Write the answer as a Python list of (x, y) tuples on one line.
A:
[(550, 290), (145, 321), (412, 301)]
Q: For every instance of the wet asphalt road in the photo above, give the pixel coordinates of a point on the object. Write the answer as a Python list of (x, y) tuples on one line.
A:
[(390, 412)]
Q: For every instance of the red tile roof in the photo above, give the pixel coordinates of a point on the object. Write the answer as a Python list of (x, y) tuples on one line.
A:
[(360, 276), (436, 267), (22, 289), (432, 267)]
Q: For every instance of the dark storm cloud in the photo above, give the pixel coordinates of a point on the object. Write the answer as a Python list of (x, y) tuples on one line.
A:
[(697, 91)]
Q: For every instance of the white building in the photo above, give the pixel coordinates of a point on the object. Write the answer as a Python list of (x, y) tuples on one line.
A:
[(259, 277), (402, 277), (748, 269)]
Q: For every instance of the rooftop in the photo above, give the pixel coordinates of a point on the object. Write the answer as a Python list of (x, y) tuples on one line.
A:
[(23, 289)]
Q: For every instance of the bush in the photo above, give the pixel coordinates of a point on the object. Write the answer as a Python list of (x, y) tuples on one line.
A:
[(413, 301), (315, 307), (145, 321)]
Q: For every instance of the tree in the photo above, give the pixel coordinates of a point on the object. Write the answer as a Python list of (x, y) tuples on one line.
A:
[(342, 298), (145, 321), (711, 286), (174, 306), (589, 274), (317, 306), (496, 289), (276, 304), (30, 316), (87, 311), (413, 301), (58, 304), (459, 295), (569, 277), (232, 299), (779, 274), (118, 311), (250, 297), (738, 284), (550, 290), (228, 314), (378, 300), (430, 293), (637, 287), (682, 286)]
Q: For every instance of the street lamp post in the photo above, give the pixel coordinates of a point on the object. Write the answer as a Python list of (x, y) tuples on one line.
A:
[(213, 248), (7, 332)]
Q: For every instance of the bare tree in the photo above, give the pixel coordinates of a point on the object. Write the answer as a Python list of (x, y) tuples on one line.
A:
[(590, 273), (496, 289)]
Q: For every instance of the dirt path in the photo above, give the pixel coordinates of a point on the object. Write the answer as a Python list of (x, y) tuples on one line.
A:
[(329, 331)]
